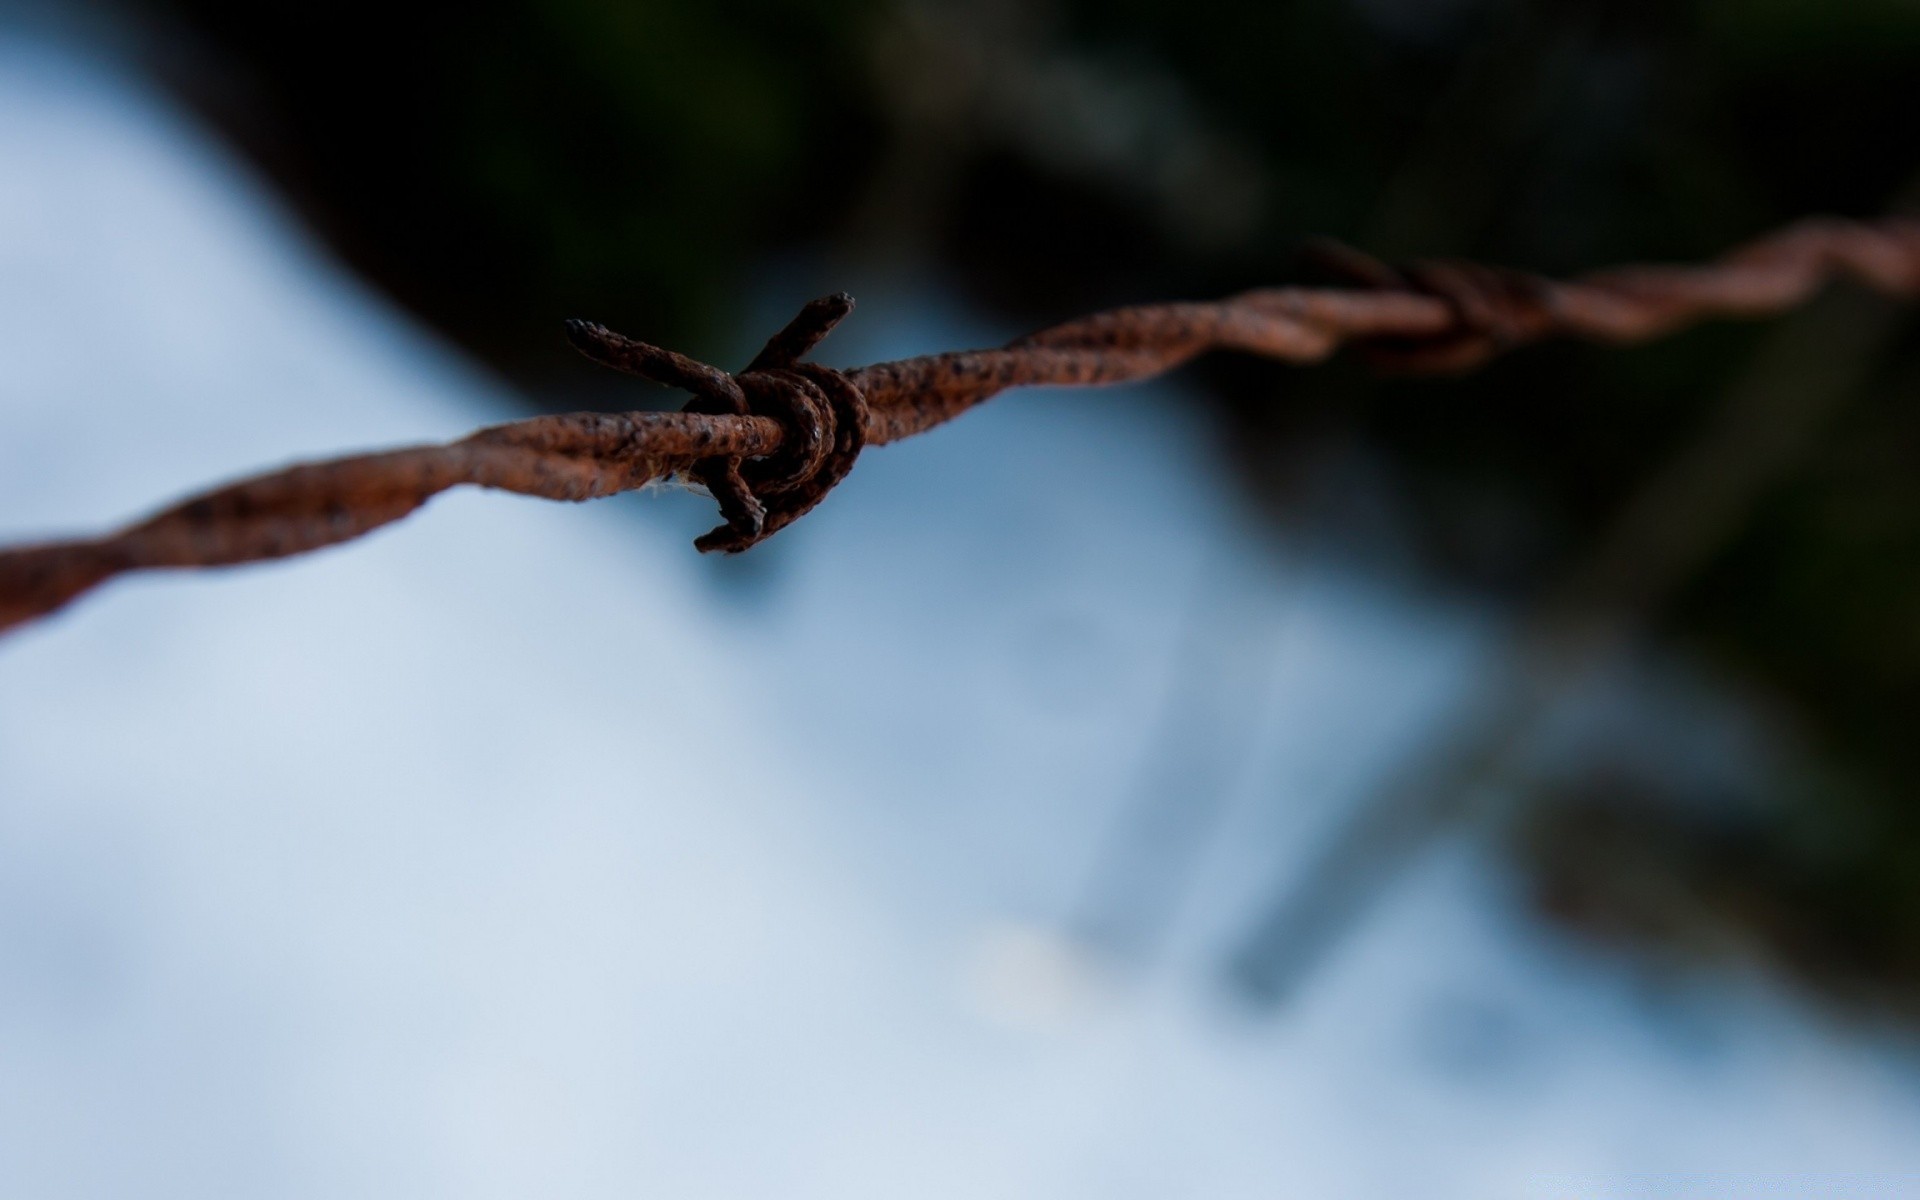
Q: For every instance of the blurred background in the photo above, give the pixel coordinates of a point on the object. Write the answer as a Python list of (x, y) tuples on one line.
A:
[(1266, 781)]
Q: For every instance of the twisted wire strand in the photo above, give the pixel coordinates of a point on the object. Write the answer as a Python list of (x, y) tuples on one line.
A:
[(770, 441)]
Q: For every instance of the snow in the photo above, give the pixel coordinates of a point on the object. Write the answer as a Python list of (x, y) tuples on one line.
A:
[(519, 850)]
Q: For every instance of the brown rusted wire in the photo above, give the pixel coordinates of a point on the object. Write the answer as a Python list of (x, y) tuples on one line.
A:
[(772, 440)]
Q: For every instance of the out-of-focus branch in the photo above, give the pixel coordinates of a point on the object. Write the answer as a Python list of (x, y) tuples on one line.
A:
[(1590, 620)]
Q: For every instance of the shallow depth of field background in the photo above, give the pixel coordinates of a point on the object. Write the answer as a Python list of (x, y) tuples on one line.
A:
[(1262, 782)]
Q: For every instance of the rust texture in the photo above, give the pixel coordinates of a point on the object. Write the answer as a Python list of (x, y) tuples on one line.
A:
[(770, 441)]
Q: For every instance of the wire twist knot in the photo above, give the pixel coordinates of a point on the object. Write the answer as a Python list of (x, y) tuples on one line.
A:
[(1494, 308), (822, 414)]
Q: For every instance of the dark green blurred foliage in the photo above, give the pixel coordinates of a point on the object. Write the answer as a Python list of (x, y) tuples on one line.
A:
[(501, 165), (1813, 889)]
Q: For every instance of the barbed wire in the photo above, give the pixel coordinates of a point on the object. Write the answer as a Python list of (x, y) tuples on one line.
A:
[(772, 440)]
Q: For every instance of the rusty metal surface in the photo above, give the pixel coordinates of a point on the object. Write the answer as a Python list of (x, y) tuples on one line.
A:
[(772, 440)]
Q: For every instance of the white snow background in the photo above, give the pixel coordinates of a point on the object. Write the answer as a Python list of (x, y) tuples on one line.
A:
[(518, 851)]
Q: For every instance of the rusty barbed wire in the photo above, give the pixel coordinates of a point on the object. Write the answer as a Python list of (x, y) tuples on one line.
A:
[(772, 440)]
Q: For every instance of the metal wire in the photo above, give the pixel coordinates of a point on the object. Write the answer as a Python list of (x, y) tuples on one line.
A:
[(772, 440)]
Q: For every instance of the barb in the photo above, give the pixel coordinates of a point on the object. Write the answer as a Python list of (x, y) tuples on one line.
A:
[(772, 440)]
